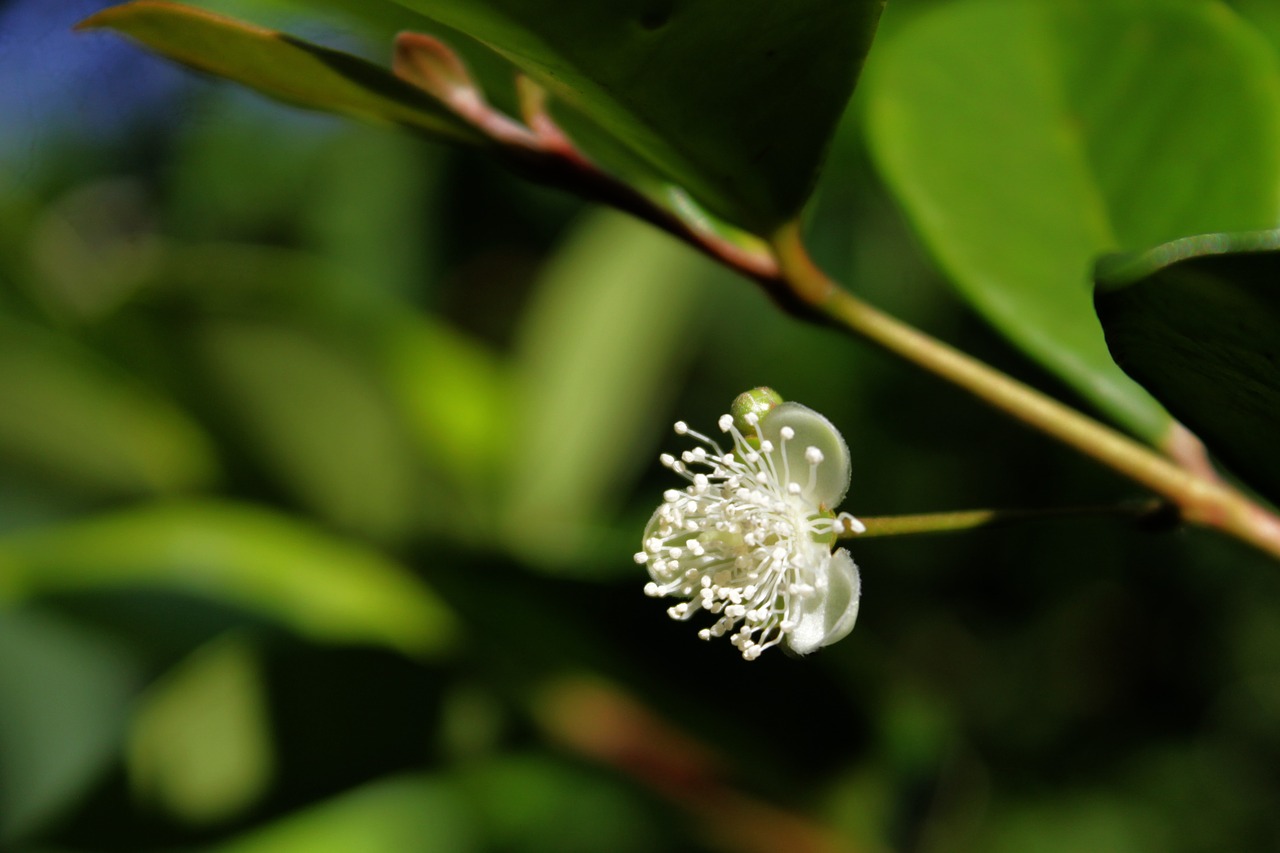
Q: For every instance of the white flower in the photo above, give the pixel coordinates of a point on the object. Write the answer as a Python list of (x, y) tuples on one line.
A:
[(749, 539)]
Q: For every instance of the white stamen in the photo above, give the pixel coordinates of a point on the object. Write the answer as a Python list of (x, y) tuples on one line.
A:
[(742, 541)]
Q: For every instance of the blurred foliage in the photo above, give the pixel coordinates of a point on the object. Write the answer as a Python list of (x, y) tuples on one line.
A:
[(324, 452)]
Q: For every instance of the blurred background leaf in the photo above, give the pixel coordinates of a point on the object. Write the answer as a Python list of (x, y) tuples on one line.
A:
[(392, 816), (65, 697), (284, 568), (66, 414), (610, 323), (314, 421), (200, 744)]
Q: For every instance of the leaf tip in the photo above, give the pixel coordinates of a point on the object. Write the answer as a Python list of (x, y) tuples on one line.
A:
[(96, 21), (107, 18)]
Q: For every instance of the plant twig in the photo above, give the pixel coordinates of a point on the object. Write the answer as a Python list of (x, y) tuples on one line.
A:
[(1154, 513)]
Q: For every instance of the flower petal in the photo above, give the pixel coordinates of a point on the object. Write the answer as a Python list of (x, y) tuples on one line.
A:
[(811, 430), (830, 615)]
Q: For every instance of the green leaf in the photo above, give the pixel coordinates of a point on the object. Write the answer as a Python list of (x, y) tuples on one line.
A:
[(200, 745), (1025, 139), (67, 414), (596, 355), (406, 815), (318, 420), (322, 586), (281, 66), (1074, 821), (454, 397), (403, 815), (1263, 14), (733, 100), (530, 802), (1197, 322), (64, 701)]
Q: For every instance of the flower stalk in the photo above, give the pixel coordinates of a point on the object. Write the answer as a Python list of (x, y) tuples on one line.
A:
[(1152, 514)]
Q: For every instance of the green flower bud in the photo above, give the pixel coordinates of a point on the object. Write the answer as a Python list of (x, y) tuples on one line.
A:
[(757, 401)]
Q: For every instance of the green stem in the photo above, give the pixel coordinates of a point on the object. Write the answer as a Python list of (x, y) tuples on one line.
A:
[(1143, 512), (1201, 500)]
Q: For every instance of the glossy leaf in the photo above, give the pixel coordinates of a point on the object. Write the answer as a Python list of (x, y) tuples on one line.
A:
[(1197, 322), (733, 100), (322, 586), (1025, 139), (281, 66)]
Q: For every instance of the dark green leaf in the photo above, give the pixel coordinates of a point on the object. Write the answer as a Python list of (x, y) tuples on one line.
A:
[(734, 100), (1025, 139), (530, 803), (1197, 322), (280, 66)]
